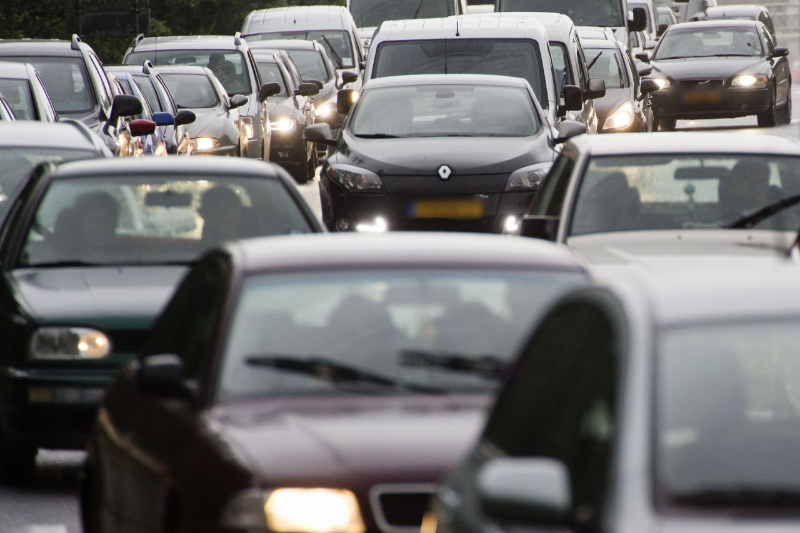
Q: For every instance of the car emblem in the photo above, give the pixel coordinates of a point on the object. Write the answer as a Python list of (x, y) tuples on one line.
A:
[(444, 172)]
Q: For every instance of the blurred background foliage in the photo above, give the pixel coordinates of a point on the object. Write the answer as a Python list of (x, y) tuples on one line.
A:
[(46, 19)]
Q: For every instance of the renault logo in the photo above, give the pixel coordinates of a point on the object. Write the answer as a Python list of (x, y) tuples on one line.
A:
[(444, 172)]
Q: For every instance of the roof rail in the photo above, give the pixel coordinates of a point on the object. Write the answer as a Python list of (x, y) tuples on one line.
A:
[(136, 40), (147, 67), (76, 42), (237, 38)]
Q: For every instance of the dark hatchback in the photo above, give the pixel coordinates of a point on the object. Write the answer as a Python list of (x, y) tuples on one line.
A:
[(436, 152), (90, 253), (315, 383)]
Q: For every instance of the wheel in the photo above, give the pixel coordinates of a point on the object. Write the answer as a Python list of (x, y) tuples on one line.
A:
[(92, 502), (665, 124), (769, 118), (17, 462), (303, 172)]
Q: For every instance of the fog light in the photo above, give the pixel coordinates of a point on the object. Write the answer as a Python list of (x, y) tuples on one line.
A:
[(342, 224), (40, 395), (379, 225)]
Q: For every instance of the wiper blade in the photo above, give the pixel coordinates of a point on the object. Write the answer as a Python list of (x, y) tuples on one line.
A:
[(751, 218), (738, 497), (57, 264), (487, 366), (335, 54), (593, 61), (332, 371), (376, 136)]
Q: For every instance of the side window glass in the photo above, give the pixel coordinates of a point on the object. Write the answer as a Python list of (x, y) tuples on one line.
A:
[(561, 65), (583, 72), (149, 92), (551, 197), (768, 39), (632, 68), (165, 96), (101, 74)]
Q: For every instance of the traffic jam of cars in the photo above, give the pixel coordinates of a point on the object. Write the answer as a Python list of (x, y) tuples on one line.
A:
[(422, 266)]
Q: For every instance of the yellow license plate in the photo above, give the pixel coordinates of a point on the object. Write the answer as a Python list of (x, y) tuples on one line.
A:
[(703, 97), (455, 209)]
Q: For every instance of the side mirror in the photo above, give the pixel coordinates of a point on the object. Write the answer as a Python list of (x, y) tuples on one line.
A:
[(320, 134), (267, 90), (649, 86), (345, 100), (307, 89), (661, 29), (539, 227), (124, 105), (525, 490), (184, 117), (238, 100), (638, 22), (162, 376), (650, 45), (573, 98), (348, 76), (597, 88), (780, 51), (316, 82), (570, 129), (644, 69), (162, 118), (140, 127), (644, 57)]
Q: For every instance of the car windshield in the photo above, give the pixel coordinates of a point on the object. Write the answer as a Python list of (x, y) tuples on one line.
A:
[(664, 192), (582, 12), (370, 13), (336, 42), (270, 72), (310, 65), (728, 415), (607, 63), (709, 42), (191, 91), (506, 57), (443, 330), (229, 66), (445, 111), (17, 93), (66, 83), (119, 220)]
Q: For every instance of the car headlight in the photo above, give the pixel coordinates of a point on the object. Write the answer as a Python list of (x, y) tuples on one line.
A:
[(202, 144), (750, 80), (283, 124), (528, 178), (247, 128), (324, 110), (663, 83), (354, 179), (295, 510), (621, 118), (69, 343)]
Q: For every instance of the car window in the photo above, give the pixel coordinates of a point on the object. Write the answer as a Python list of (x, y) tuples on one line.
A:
[(101, 74), (336, 42), (551, 198), (270, 72), (633, 72), (372, 13), (146, 85), (191, 91), (558, 51), (606, 64), (66, 81), (310, 65), (44, 99), (229, 66), (768, 39), (17, 93)]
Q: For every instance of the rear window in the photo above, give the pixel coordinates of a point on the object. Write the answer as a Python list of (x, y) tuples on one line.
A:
[(370, 13), (271, 73), (336, 42), (229, 66), (310, 65), (191, 90), (17, 93), (66, 82)]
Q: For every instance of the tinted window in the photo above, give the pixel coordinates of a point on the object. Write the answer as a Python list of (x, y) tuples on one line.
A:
[(271, 73), (229, 66), (18, 95), (337, 43), (507, 57), (607, 65), (369, 13), (310, 65), (561, 64), (709, 42), (191, 90), (66, 82), (551, 198), (582, 12), (146, 85)]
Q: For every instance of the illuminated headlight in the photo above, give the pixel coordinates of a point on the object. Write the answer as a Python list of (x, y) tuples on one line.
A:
[(202, 144), (283, 124), (247, 128), (69, 343), (355, 179), (379, 225), (663, 83), (294, 511), (324, 110), (750, 80), (621, 119), (528, 178), (161, 149)]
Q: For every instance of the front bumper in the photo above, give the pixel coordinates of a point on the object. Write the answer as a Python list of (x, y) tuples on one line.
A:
[(724, 103)]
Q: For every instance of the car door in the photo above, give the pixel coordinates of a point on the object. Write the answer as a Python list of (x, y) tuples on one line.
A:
[(780, 69), (641, 103)]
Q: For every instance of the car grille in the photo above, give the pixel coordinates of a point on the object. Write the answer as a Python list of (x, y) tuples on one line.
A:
[(128, 341), (400, 508), (702, 84)]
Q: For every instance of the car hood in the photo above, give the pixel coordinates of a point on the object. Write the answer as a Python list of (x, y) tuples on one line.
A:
[(614, 98), (707, 68), (424, 156), (209, 122), (355, 441), (711, 524), (280, 107), (114, 298)]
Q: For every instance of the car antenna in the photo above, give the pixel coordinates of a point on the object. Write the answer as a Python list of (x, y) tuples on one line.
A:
[(457, 33)]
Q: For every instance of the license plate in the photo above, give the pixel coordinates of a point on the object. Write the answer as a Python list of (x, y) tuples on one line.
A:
[(703, 97), (453, 209)]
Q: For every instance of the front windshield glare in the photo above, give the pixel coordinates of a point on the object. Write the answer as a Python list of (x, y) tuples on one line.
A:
[(608, 65), (371, 13), (228, 66), (698, 191), (192, 91), (445, 111), (310, 65), (18, 95), (154, 220), (728, 415), (582, 12), (709, 42), (66, 83), (437, 330)]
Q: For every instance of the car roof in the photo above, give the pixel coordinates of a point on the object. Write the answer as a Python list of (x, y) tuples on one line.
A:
[(732, 11), (468, 27), (60, 135), (599, 43), (585, 31), (184, 69), (172, 166), (12, 69), (37, 47), (297, 18), (686, 142), (401, 249), (557, 26), (718, 23), (283, 44), (187, 42), (445, 79)]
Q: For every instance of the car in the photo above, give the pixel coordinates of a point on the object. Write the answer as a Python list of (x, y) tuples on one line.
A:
[(661, 401), (148, 83), (646, 199), (96, 250), (651, 29), (342, 372), (76, 83), (231, 61), (24, 91), (450, 151), (721, 69), (626, 104), (215, 130), (595, 33), (666, 18), (744, 12), (291, 110), (691, 10), (332, 26), (136, 136)]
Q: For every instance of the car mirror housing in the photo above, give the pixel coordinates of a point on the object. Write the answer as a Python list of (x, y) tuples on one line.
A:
[(267, 90), (649, 86), (644, 57), (163, 118), (644, 69), (307, 89), (573, 98), (596, 88), (539, 227), (661, 29), (570, 129), (124, 105), (162, 376), (650, 45), (345, 101), (238, 100), (316, 82), (639, 20), (319, 133), (525, 490), (780, 51), (184, 117), (141, 127), (348, 76)]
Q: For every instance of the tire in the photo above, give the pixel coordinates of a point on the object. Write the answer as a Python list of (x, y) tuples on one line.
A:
[(91, 503), (303, 172), (665, 124), (17, 462), (769, 118)]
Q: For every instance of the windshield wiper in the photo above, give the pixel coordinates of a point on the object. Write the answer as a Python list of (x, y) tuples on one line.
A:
[(335, 54), (593, 61), (331, 371), (487, 366), (376, 136), (57, 264), (740, 497), (750, 219)]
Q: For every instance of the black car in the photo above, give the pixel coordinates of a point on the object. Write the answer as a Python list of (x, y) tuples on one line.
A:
[(456, 152), (315, 383), (90, 252), (721, 69), (626, 105), (743, 12)]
